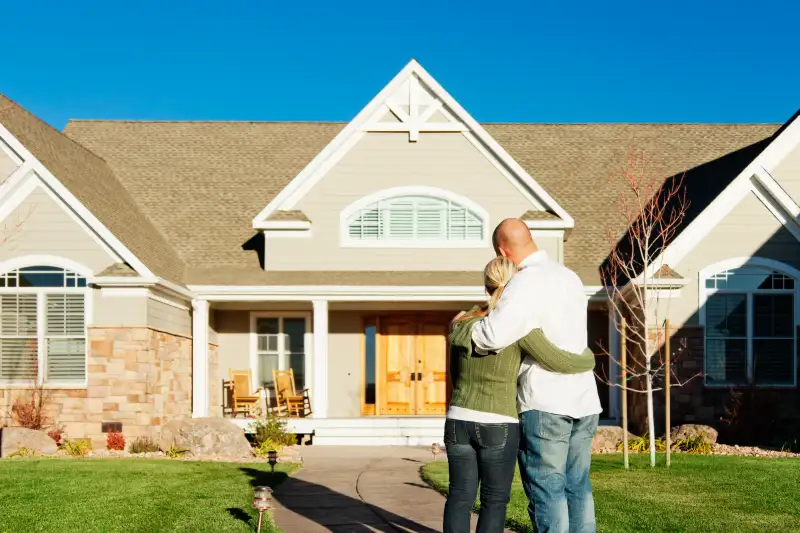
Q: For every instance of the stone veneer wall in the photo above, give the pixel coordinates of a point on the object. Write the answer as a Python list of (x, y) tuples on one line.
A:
[(694, 402), (138, 376)]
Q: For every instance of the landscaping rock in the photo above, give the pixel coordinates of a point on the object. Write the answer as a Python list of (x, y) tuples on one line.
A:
[(39, 442), (205, 436), (689, 431), (608, 438)]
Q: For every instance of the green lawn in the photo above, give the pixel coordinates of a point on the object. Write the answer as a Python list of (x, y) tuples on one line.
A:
[(133, 495), (699, 493)]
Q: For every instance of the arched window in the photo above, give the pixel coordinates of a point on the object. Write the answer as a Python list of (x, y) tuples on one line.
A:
[(42, 326), (748, 311), (414, 217)]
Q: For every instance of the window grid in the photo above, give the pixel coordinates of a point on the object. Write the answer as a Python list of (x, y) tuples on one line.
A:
[(42, 330), (408, 218), (274, 348), (755, 287)]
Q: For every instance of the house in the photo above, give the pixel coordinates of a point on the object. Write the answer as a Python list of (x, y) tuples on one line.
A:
[(142, 261)]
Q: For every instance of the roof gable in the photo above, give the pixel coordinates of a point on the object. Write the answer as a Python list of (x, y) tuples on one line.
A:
[(89, 180), (201, 183), (412, 102)]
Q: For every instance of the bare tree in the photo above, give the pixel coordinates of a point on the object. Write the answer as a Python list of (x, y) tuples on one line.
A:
[(652, 210)]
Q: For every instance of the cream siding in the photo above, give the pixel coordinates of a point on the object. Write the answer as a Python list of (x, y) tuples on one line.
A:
[(552, 242), (45, 227), (113, 308), (787, 173), (385, 160), (233, 337), (7, 164), (164, 317), (749, 230), (344, 367)]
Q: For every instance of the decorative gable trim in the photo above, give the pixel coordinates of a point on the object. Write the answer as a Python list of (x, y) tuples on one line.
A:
[(416, 120), (30, 163)]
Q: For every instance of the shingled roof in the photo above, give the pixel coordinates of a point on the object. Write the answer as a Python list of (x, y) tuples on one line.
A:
[(201, 183), (92, 181)]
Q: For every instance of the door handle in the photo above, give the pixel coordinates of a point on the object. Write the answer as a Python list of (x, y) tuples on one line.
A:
[(416, 376)]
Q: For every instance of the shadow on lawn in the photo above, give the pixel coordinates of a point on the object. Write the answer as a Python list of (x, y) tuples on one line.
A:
[(331, 509)]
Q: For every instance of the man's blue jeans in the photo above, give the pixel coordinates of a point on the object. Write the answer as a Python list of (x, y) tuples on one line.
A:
[(555, 455)]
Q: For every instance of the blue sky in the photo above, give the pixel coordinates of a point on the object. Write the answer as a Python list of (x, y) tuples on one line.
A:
[(533, 61)]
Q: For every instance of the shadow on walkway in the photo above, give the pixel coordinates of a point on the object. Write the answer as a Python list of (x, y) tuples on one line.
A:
[(332, 510)]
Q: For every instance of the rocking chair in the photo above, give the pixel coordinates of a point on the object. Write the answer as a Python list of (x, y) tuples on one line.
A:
[(290, 402)]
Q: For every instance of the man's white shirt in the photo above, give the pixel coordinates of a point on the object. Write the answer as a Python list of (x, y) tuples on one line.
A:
[(543, 294)]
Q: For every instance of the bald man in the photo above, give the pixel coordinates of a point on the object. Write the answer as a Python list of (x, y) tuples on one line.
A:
[(558, 412)]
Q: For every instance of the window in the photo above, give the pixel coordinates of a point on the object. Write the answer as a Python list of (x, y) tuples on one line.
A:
[(368, 394), (281, 345), (415, 218), (750, 327), (42, 326)]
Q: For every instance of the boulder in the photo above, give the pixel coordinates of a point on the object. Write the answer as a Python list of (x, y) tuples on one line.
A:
[(39, 442), (608, 438), (205, 436), (688, 431)]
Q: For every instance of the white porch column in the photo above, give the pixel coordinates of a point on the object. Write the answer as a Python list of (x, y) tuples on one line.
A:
[(319, 392), (200, 358), (614, 392)]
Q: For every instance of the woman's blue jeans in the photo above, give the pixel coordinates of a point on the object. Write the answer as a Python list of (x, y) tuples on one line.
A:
[(485, 455)]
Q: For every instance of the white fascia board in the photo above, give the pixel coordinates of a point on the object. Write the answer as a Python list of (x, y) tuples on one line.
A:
[(284, 225), (352, 293), (70, 200), (760, 168), (354, 132), (136, 281)]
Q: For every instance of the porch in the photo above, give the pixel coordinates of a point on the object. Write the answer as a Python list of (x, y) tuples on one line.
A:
[(375, 367)]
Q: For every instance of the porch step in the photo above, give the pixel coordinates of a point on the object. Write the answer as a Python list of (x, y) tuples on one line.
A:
[(380, 431)]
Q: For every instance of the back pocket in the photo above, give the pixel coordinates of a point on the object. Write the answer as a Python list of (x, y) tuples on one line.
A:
[(491, 435)]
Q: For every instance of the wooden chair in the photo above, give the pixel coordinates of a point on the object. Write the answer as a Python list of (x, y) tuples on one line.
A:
[(243, 400), (290, 402)]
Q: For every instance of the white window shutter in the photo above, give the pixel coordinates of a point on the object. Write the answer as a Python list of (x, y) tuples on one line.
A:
[(409, 218), (65, 335), (18, 342)]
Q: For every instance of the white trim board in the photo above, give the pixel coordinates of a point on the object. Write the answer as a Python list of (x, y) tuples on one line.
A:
[(364, 120), (757, 172), (31, 163), (23, 187), (349, 293)]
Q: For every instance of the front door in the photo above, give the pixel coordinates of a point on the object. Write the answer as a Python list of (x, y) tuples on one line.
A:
[(413, 360)]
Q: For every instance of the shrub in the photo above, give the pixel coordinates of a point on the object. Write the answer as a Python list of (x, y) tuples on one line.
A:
[(115, 441), (29, 411), (642, 445), (23, 452), (57, 433), (173, 452), (697, 444), (271, 432), (77, 448), (143, 445), (791, 447)]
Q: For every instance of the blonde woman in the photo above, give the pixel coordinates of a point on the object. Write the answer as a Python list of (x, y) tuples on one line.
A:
[(482, 428)]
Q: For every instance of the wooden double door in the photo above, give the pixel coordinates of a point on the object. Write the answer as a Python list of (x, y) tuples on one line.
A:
[(413, 359)]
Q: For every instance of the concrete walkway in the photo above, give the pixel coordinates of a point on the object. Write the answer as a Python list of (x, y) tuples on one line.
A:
[(359, 490)]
